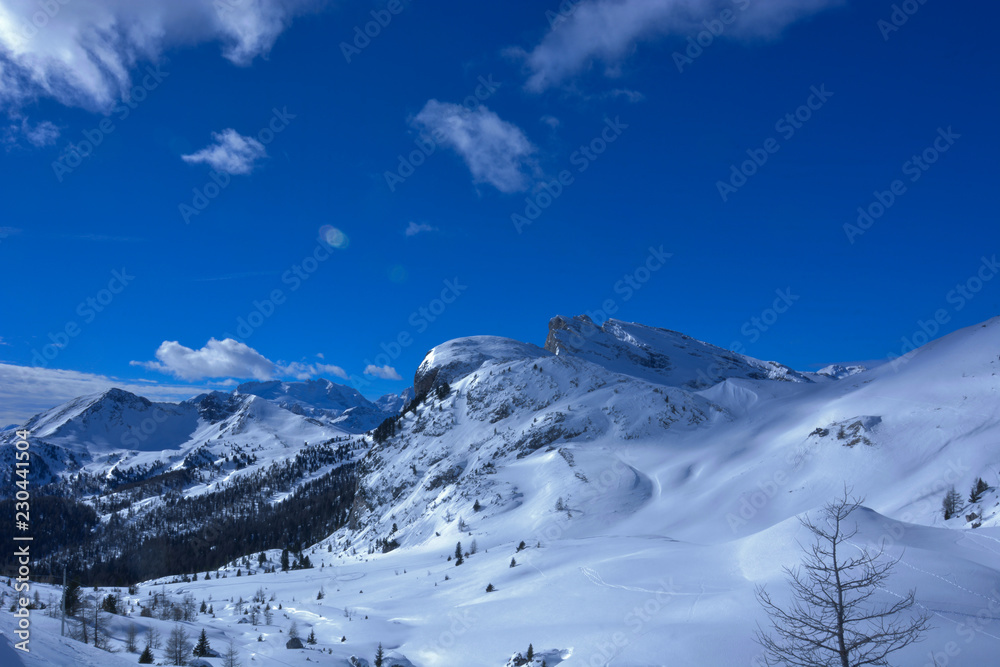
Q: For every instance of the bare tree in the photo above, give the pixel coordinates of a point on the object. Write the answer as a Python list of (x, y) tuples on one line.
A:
[(131, 641), (189, 607), (82, 631), (178, 646), (835, 619), (231, 658), (293, 630), (153, 640), (100, 628)]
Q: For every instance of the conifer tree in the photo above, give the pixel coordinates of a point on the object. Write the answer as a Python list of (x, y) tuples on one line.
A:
[(978, 489), (202, 648), (952, 504)]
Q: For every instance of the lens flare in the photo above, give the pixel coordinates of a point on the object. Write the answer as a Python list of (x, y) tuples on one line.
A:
[(333, 237), (397, 274)]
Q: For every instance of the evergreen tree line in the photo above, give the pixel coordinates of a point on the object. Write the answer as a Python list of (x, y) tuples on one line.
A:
[(199, 533), (390, 425), (56, 524)]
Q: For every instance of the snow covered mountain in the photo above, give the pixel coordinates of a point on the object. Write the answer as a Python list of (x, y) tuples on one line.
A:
[(657, 355), (625, 391), (621, 490), (394, 403), (320, 394), (118, 436), (629, 452), (840, 371)]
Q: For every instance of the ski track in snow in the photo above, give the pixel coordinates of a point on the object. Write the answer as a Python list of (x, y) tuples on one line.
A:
[(972, 534), (598, 580), (936, 576), (691, 474), (941, 614)]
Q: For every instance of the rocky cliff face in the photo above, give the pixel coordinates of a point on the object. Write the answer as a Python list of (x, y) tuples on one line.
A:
[(657, 355)]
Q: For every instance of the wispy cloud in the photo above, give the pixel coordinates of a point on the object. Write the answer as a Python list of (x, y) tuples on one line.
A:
[(26, 390), (230, 153), (495, 151), (234, 276), (415, 228), (228, 358), (100, 238), (632, 96), (606, 31), (41, 134), (83, 51), (386, 372), (301, 371)]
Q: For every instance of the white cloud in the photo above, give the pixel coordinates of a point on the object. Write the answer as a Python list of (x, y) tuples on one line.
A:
[(229, 358), (606, 31), (82, 52), (3, 342), (306, 371), (496, 152), (219, 358), (386, 372), (232, 153), (41, 134), (26, 390), (632, 96), (415, 228)]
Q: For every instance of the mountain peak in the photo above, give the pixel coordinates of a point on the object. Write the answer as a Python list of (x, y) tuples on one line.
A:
[(657, 355), (116, 395), (838, 371), (319, 394), (459, 357)]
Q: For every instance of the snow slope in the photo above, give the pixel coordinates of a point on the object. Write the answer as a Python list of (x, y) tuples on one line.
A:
[(651, 503), (117, 430)]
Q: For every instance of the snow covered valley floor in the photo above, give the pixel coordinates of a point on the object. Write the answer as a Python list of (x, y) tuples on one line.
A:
[(655, 483)]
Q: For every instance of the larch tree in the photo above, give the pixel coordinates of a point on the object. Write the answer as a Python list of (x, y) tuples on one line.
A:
[(836, 617)]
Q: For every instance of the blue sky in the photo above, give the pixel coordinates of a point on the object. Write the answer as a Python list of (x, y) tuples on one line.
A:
[(710, 183)]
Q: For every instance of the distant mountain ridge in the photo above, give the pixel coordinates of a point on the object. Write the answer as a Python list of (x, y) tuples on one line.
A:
[(133, 428)]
